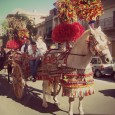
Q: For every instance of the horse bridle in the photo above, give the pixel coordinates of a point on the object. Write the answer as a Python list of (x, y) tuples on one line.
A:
[(97, 48), (94, 44)]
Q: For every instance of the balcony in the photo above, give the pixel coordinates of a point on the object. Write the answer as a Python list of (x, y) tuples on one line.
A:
[(107, 23)]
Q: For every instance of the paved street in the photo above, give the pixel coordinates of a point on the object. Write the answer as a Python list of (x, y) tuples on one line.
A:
[(101, 103)]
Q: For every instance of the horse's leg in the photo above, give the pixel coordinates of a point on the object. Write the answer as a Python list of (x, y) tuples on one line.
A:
[(8, 75), (55, 95), (71, 102), (9, 70), (44, 86), (80, 108)]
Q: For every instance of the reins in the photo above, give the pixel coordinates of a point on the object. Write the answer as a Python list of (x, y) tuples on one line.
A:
[(77, 54)]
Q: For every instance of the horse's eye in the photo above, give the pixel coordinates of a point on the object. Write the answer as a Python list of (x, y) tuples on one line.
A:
[(91, 35)]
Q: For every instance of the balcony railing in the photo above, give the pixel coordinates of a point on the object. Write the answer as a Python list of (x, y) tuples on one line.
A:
[(107, 23)]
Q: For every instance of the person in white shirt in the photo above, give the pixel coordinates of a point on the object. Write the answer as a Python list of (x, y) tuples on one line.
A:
[(34, 57), (41, 45), (26, 46)]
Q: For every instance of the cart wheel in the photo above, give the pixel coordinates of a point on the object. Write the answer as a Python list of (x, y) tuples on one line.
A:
[(18, 87), (18, 81)]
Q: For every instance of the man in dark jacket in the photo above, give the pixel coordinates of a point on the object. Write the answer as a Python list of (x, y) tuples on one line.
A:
[(2, 57)]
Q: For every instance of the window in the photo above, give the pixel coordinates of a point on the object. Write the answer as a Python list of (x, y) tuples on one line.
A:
[(94, 61)]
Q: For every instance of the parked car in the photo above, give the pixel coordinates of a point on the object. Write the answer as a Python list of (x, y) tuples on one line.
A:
[(100, 68)]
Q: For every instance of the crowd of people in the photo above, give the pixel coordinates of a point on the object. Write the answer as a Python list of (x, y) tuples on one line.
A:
[(35, 50)]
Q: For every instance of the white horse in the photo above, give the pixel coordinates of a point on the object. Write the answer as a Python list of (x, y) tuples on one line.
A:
[(79, 82)]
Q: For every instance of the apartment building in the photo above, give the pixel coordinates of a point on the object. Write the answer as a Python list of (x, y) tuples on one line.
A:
[(45, 28), (41, 29), (107, 22)]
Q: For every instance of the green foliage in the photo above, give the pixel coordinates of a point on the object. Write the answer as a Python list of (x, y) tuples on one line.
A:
[(14, 23), (5, 24), (22, 17)]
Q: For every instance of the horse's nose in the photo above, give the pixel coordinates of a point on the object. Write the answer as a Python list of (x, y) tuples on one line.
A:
[(108, 60)]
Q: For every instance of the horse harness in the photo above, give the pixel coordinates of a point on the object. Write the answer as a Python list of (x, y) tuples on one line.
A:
[(98, 49)]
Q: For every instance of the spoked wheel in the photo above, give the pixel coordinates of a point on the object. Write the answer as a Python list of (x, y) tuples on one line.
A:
[(18, 81), (18, 87), (98, 74)]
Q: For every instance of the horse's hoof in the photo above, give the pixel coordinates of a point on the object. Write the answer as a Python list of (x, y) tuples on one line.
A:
[(70, 113), (45, 105), (56, 103), (10, 82), (81, 113)]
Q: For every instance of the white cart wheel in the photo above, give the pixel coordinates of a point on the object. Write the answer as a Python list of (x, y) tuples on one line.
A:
[(18, 81)]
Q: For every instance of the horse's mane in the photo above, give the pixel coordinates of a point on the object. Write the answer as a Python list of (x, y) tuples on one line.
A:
[(86, 33)]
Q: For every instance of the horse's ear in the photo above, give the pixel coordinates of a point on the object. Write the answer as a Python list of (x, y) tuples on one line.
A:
[(99, 28), (92, 30), (87, 39)]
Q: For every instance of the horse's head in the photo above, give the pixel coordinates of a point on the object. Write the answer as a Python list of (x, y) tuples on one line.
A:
[(14, 56), (98, 44)]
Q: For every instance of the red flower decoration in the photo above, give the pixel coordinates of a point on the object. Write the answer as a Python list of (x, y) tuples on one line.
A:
[(67, 32), (14, 44)]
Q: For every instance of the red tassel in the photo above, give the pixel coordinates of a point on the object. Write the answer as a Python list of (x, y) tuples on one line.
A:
[(80, 93), (86, 93)]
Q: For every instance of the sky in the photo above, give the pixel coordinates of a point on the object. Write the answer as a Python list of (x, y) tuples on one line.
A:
[(41, 6)]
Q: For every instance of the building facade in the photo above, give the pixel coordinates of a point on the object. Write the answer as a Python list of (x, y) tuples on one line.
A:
[(41, 29), (107, 22), (45, 28)]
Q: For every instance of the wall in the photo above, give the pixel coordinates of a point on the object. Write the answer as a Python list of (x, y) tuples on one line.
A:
[(108, 13), (41, 30), (109, 7)]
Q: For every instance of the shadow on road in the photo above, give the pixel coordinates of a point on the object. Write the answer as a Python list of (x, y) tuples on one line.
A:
[(31, 97), (106, 78), (108, 92)]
